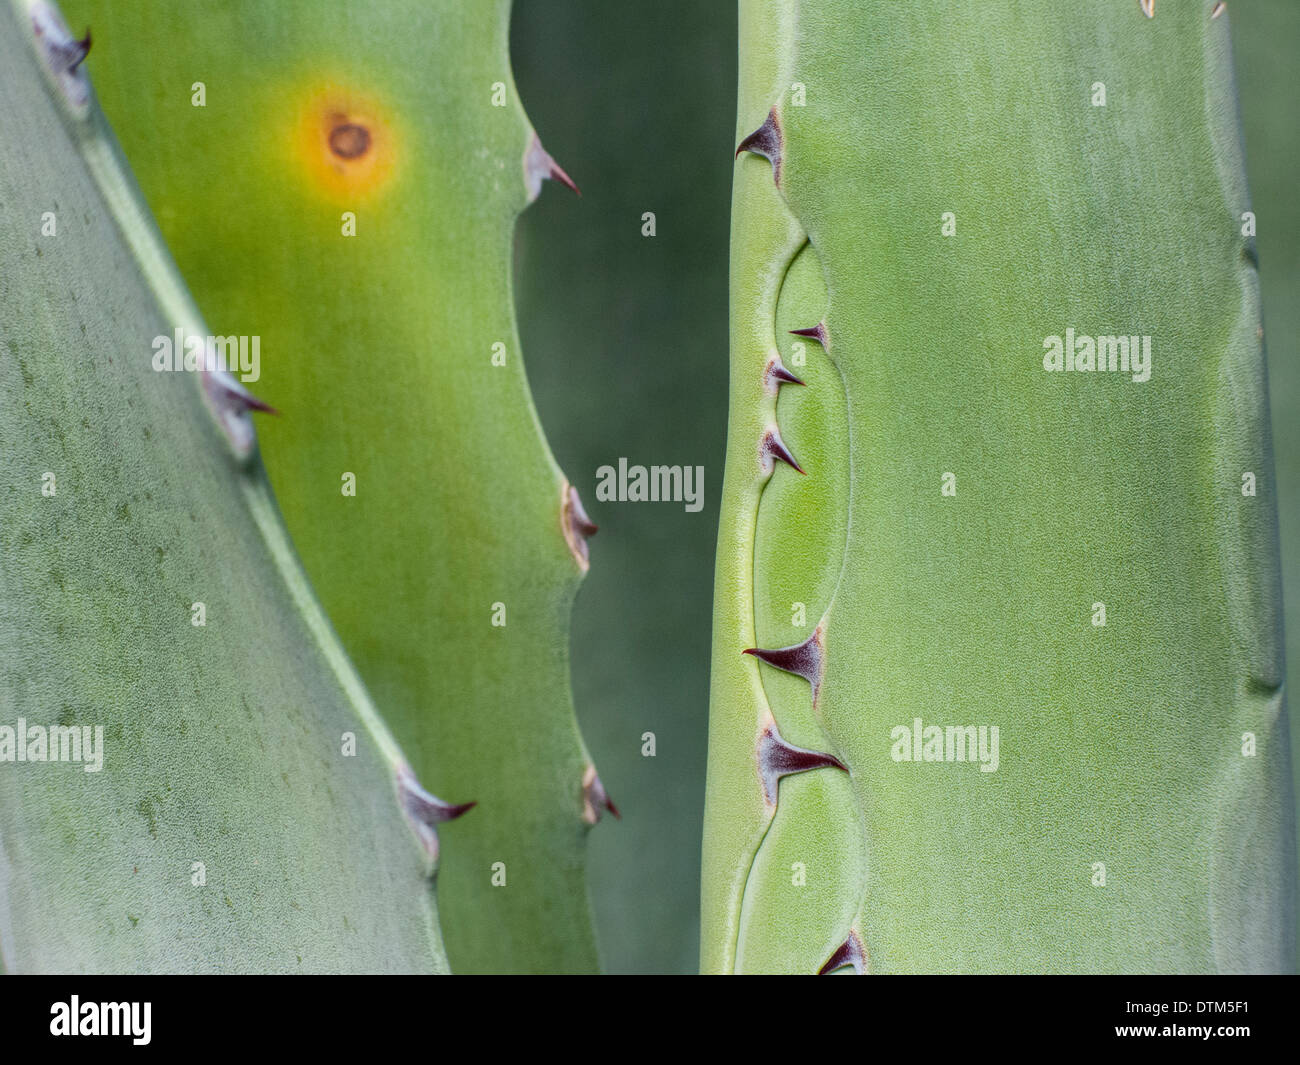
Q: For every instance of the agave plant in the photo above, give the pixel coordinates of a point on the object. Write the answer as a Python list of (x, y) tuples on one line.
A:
[(997, 655), (997, 679)]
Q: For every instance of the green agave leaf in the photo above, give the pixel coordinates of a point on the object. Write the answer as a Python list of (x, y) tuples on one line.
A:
[(347, 192), (1264, 36), (218, 818), (930, 193)]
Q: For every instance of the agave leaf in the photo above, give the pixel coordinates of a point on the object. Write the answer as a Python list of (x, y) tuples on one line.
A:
[(227, 827), (1264, 36), (450, 573), (1139, 817)]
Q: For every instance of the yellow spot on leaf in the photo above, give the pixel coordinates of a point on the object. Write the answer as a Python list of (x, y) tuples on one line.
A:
[(344, 144)]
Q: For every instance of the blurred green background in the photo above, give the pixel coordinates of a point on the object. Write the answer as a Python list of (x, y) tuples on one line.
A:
[(626, 344), (625, 340)]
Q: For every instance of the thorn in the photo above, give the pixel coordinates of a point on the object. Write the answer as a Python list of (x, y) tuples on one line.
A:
[(594, 797), (1219, 9), (557, 174), (850, 952), (253, 403), (425, 811), (803, 659), (766, 141), (777, 759), (539, 167), (578, 528), (230, 403), (773, 447), (818, 333), (80, 52), (776, 375), (63, 53), (1148, 7), (236, 394)]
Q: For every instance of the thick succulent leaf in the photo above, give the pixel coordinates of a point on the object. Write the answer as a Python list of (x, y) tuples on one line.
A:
[(965, 512), (450, 573), (227, 826), (1264, 36)]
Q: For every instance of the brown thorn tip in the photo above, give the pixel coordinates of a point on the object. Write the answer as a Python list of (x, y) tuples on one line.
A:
[(424, 810), (766, 141), (802, 659), (595, 797), (227, 385), (578, 528), (850, 952), (1219, 9), (558, 174), (777, 758), (253, 403), (1148, 7), (773, 447), (83, 50), (777, 375), (539, 167), (61, 52), (817, 332)]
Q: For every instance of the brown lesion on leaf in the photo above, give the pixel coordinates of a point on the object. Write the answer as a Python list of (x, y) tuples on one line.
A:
[(348, 140)]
